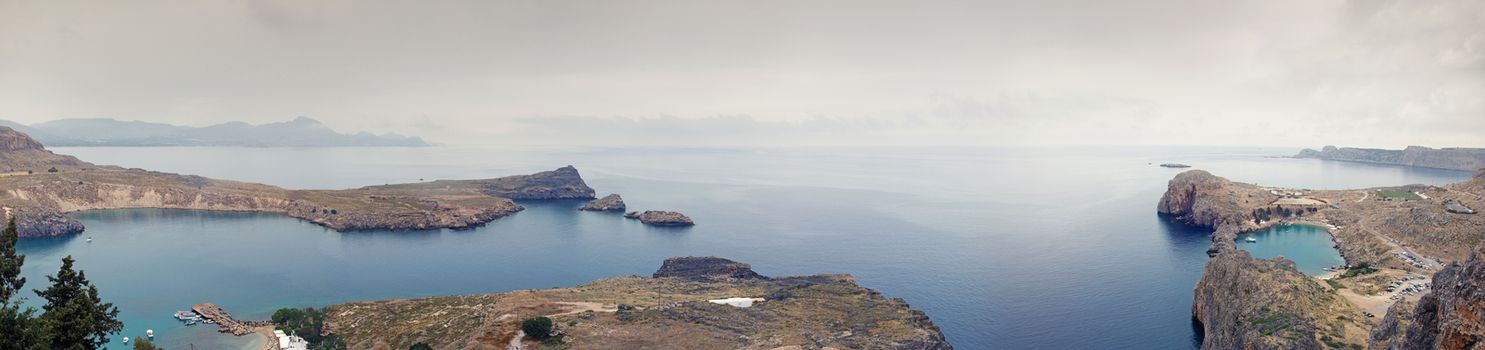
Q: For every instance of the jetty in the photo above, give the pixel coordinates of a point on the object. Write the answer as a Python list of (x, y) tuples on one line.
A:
[(225, 323)]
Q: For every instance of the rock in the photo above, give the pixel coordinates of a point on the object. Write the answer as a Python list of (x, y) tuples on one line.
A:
[(1454, 206), (608, 203), (1389, 333), (563, 183), (1451, 316), (11, 140), (1246, 303), (661, 218), (1175, 165), (705, 268)]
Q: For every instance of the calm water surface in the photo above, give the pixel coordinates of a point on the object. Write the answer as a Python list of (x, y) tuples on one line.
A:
[(1310, 247), (1003, 248)]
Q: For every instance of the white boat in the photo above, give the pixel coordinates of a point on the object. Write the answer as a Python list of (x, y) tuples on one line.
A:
[(126, 340), (1251, 240), (90, 239), (149, 333)]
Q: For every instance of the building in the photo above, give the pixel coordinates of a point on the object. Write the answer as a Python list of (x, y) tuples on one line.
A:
[(290, 342)]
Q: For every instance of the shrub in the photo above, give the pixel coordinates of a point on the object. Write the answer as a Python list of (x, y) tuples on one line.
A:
[(420, 346), (539, 327)]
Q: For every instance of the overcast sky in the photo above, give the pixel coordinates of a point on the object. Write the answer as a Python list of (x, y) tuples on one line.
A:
[(1381, 73)]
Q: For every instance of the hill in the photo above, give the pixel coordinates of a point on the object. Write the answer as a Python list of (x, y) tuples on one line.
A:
[(300, 132)]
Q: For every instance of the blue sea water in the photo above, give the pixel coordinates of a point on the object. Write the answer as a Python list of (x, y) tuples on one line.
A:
[(1004, 248), (1310, 247)]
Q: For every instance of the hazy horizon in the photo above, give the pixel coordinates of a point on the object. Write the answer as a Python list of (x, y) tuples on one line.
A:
[(1383, 74)]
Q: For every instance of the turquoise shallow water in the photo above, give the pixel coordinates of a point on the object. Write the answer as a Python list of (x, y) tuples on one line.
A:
[(1310, 247), (1003, 248)]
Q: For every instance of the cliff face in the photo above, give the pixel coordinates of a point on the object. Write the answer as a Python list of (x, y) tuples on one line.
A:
[(805, 312), (11, 140), (1198, 198), (1247, 303), (1452, 316), (1467, 159)]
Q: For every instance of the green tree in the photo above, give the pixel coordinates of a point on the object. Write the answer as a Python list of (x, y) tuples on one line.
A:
[(539, 327), (74, 317), (16, 323), (420, 346), (144, 344)]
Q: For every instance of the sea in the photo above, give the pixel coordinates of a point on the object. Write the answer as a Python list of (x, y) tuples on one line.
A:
[(1003, 248)]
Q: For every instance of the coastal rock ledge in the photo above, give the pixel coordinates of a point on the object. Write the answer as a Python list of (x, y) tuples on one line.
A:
[(661, 218), (608, 203)]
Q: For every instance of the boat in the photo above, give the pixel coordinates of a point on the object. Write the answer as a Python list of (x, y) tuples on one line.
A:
[(90, 239), (149, 333), (1252, 240), (126, 340)]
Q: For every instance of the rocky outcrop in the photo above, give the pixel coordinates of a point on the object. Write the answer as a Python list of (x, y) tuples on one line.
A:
[(563, 183), (608, 203), (1452, 316), (661, 218), (1389, 334), (704, 268), (801, 312), (1467, 159), (11, 140), (1247, 303)]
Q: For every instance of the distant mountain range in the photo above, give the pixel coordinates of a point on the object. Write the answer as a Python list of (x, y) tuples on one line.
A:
[(1468, 159), (300, 132)]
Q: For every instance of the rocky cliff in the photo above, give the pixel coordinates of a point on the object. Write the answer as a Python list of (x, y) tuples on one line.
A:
[(1198, 198), (805, 312), (1247, 303), (563, 183), (1452, 316), (704, 268), (1467, 159), (40, 199)]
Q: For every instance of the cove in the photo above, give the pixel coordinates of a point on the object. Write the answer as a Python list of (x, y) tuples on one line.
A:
[(1308, 246)]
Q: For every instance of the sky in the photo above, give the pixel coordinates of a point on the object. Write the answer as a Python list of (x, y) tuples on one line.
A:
[(1372, 73)]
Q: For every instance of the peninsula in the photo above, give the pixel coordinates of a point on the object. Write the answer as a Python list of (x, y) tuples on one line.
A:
[(1385, 234), (38, 187), (685, 305), (1464, 159)]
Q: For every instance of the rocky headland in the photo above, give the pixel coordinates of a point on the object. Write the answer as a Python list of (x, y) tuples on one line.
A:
[(1247, 303), (670, 311), (40, 187), (661, 218), (1466, 159), (610, 202)]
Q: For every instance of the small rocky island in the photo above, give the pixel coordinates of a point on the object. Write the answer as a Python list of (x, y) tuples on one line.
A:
[(40, 187), (1246, 303), (610, 202), (1174, 165), (676, 309), (661, 218)]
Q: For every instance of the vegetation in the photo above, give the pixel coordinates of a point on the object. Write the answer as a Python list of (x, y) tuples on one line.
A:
[(539, 327), (74, 316), (144, 344), (307, 323), (1399, 194), (1335, 285), (52, 170), (420, 346), (1362, 268)]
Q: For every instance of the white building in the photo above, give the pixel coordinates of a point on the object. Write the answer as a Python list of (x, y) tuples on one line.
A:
[(290, 342)]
